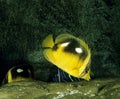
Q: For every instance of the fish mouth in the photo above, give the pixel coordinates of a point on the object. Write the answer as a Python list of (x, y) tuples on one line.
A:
[(85, 69), (85, 75)]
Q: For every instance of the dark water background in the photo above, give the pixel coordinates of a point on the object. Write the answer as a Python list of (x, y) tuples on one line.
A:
[(25, 23)]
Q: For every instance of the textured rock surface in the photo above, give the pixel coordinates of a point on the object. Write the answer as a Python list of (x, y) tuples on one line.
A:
[(94, 89)]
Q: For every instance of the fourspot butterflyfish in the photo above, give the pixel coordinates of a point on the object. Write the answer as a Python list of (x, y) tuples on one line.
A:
[(69, 53), (19, 73)]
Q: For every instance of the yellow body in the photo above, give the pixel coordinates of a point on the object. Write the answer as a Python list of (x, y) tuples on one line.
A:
[(70, 62)]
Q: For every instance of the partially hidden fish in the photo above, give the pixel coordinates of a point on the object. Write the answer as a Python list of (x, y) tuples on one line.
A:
[(19, 73)]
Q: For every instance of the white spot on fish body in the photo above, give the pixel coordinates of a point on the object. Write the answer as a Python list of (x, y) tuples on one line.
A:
[(19, 70), (78, 50), (65, 44)]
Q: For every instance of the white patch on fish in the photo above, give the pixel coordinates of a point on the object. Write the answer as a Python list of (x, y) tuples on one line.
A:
[(65, 44), (78, 50)]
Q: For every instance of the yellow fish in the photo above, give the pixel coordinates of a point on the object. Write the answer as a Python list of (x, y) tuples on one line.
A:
[(18, 73), (69, 53)]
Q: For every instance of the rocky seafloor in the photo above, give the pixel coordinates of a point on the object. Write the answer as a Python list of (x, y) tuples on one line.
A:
[(107, 88)]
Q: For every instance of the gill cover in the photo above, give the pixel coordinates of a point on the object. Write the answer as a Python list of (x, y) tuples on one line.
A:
[(69, 53)]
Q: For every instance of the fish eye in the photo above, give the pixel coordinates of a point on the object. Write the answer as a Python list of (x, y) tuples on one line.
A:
[(85, 71), (87, 68)]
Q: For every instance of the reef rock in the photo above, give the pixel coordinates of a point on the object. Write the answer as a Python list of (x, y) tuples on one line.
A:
[(30, 89)]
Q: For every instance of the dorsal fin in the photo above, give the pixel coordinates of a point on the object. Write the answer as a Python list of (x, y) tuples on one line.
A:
[(48, 41)]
